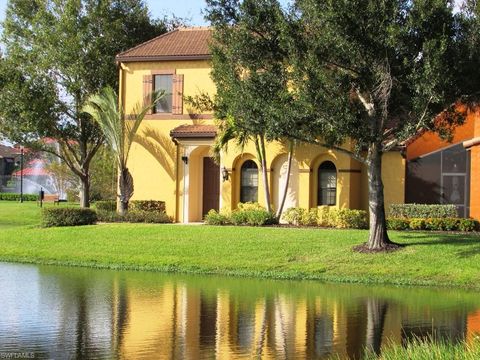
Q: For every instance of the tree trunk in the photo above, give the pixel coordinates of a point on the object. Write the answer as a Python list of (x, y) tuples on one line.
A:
[(287, 181), (376, 313), (85, 191), (378, 239), (125, 181), (265, 175)]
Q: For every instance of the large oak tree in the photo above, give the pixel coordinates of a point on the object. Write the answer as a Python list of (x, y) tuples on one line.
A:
[(57, 52)]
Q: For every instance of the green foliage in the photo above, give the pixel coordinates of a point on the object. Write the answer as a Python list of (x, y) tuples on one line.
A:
[(416, 224), (147, 205), (325, 216), (433, 224), (103, 178), (468, 225), (349, 219), (106, 205), (60, 216), (217, 218), (422, 211), (398, 224), (134, 216), (252, 214), (294, 215), (56, 56), (442, 224), (16, 197)]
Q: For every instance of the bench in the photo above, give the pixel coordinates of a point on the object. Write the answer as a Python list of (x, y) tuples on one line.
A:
[(52, 198)]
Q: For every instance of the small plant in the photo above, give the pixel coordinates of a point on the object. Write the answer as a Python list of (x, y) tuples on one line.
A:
[(417, 224), (324, 217), (252, 214), (349, 219), (147, 205), (309, 218), (217, 218), (468, 225), (293, 216), (442, 224), (53, 217), (398, 224)]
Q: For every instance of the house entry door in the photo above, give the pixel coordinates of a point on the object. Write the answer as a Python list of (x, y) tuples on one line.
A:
[(211, 185)]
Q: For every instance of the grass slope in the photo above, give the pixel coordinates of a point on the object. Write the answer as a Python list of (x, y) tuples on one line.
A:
[(289, 253)]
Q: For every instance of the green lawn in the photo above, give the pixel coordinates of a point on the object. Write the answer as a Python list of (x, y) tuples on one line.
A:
[(427, 259)]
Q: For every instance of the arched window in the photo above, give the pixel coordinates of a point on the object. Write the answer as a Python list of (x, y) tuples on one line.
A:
[(249, 182), (327, 184)]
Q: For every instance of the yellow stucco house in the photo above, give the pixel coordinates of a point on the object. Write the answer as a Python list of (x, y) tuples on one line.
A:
[(170, 159)]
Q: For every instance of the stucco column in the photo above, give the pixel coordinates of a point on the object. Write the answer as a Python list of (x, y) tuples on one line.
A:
[(187, 150), (304, 188)]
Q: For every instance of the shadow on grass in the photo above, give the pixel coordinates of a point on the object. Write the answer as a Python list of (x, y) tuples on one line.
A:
[(472, 241)]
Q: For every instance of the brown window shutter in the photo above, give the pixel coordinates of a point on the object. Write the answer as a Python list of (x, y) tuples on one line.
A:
[(177, 100), (147, 91)]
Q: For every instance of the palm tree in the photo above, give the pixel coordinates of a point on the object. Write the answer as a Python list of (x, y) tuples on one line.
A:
[(119, 133)]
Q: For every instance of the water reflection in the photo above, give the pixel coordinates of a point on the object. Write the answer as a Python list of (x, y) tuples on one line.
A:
[(80, 313)]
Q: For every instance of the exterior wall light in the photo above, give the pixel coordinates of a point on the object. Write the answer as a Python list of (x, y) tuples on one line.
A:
[(185, 159), (225, 175)]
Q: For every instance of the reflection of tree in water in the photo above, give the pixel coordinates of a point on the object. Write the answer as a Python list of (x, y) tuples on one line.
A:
[(449, 326), (376, 312)]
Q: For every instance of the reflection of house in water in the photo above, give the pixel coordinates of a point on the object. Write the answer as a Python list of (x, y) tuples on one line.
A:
[(473, 326)]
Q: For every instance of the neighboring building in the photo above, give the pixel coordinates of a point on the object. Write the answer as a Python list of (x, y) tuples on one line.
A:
[(440, 172), (8, 157), (171, 160)]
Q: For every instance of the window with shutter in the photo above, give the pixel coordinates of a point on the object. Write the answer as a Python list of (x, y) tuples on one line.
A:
[(169, 82)]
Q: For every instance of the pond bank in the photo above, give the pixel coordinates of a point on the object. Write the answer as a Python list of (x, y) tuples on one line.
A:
[(280, 253)]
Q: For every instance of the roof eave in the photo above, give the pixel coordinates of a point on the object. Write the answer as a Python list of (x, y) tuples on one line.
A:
[(126, 59)]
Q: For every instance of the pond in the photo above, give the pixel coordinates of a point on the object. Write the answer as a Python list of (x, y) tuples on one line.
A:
[(61, 312)]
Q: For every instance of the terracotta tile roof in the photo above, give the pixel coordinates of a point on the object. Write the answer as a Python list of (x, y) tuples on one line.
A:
[(194, 131), (182, 43), (8, 152)]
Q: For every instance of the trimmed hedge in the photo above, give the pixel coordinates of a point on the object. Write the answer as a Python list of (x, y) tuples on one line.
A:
[(53, 217), (147, 205), (16, 197), (325, 216), (246, 214), (134, 216), (434, 224), (425, 211), (106, 205)]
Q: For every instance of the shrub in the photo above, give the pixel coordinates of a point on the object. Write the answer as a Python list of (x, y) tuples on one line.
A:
[(442, 224), (293, 216), (309, 218), (422, 211), (349, 219), (217, 218), (16, 197), (106, 205), (397, 224), (417, 224), (68, 217), (134, 216), (468, 225), (252, 214), (147, 205), (324, 217)]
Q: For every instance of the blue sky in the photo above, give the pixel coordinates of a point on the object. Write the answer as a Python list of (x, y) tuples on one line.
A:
[(190, 9)]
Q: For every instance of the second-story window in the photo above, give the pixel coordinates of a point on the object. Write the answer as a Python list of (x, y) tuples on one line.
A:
[(164, 83)]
